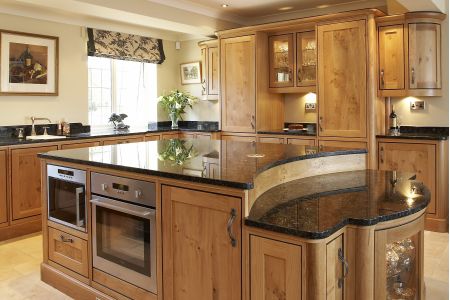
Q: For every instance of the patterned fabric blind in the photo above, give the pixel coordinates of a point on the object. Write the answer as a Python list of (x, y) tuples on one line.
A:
[(125, 46)]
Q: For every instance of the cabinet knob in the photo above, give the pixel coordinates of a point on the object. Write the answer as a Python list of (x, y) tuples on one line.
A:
[(65, 240), (413, 76), (345, 265), (252, 122), (381, 155), (320, 123), (382, 77), (233, 214), (104, 186), (138, 193)]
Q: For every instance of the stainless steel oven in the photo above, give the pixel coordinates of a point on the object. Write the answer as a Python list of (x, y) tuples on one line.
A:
[(123, 228), (67, 196)]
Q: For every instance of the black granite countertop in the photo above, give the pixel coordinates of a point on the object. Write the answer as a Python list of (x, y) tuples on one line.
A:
[(236, 163), (419, 133), (318, 206), (7, 132)]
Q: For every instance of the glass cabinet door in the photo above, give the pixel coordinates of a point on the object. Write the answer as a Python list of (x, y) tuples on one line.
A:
[(281, 60), (399, 262), (306, 58)]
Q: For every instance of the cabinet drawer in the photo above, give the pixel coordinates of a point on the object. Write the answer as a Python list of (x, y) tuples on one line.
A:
[(305, 142), (79, 145), (68, 251), (123, 141), (271, 140)]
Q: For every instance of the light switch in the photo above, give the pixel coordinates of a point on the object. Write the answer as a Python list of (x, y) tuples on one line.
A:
[(417, 105)]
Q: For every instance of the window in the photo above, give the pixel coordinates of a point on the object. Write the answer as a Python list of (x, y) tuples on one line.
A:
[(122, 87)]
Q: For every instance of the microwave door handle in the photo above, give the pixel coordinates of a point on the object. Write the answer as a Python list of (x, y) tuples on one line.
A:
[(78, 192), (141, 212)]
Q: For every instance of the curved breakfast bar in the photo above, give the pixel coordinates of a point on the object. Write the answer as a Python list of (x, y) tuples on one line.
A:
[(237, 220)]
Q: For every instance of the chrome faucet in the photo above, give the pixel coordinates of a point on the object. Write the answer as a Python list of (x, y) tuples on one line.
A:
[(33, 120)]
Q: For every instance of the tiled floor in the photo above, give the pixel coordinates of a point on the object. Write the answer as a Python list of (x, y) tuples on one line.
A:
[(20, 259)]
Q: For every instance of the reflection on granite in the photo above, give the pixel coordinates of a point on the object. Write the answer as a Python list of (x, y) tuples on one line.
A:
[(79, 131), (419, 133), (318, 206), (227, 163)]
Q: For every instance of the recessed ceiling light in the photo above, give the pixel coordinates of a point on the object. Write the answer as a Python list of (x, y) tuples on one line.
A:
[(286, 8), (322, 6), (224, 5)]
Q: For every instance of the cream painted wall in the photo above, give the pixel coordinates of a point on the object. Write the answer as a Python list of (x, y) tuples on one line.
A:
[(71, 104), (294, 110), (436, 108)]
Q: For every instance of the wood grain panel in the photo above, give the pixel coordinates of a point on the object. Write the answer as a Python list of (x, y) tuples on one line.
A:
[(276, 269), (342, 79), (199, 261), (68, 251), (417, 158), (238, 95), (424, 56), (26, 181), (3, 189), (391, 57)]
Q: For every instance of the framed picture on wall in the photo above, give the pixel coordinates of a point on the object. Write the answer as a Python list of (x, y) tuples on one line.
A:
[(191, 72), (28, 64)]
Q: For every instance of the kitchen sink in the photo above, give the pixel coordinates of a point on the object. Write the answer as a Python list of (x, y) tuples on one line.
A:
[(45, 137)]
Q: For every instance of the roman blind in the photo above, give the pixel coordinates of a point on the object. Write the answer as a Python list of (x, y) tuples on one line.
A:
[(125, 46)]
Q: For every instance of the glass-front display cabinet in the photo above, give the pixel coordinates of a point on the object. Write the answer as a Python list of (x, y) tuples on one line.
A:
[(281, 60), (399, 262), (306, 58)]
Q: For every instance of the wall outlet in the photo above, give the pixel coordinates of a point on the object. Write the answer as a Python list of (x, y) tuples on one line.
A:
[(310, 106), (417, 105)]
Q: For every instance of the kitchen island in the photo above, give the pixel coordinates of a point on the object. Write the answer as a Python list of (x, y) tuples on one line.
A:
[(235, 220)]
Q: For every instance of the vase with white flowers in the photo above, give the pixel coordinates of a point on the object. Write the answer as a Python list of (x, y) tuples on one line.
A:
[(175, 104)]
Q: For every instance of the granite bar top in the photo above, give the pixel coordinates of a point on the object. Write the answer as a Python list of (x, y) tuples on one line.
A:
[(419, 133), (316, 207), (235, 163), (80, 132)]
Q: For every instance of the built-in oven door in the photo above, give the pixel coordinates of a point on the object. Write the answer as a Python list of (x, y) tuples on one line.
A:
[(66, 196), (124, 241)]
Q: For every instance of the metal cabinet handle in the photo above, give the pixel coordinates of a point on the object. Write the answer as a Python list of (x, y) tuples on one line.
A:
[(345, 265), (233, 214), (413, 76), (381, 155), (252, 122), (204, 87), (382, 78), (65, 240), (320, 123), (78, 192)]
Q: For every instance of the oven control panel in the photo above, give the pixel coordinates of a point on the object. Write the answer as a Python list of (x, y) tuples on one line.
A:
[(127, 189)]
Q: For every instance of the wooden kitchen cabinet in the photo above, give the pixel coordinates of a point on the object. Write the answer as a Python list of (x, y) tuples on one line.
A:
[(210, 69), (276, 269), (399, 258), (342, 85), (238, 81), (271, 140), (306, 59), (305, 142), (424, 53), (409, 51), (200, 260), (419, 159), (281, 60), (127, 140), (335, 270), (391, 57), (3, 187), (26, 181), (68, 251)]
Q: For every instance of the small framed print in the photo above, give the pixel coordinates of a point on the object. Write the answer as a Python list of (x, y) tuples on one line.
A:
[(28, 64), (191, 72)]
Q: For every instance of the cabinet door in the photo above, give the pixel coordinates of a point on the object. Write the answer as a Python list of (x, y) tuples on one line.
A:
[(199, 259), (213, 71), (417, 158), (281, 55), (424, 56), (391, 57), (399, 262), (237, 69), (3, 203), (26, 181), (306, 58), (335, 272), (276, 269), (342, 79)]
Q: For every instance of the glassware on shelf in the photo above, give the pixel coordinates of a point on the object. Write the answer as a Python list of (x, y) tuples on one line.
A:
[(400, 269), (281, 61)]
